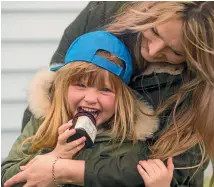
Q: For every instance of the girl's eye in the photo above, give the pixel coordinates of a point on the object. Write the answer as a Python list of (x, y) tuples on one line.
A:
[(106, 90), (80, 85)]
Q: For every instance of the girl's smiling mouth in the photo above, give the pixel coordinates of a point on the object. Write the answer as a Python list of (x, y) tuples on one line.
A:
[(92, 111)]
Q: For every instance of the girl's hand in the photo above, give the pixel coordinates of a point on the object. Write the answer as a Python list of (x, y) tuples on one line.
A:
[(155, 173), (67, 150)]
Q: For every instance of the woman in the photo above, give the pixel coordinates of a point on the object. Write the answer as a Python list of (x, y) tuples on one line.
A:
[(190, 83)]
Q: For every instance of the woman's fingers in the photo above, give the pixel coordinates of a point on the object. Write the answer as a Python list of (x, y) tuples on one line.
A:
[(148, 169), (22, 168), (153, 165), (159, 163), (18, 178), (142, 172), (28, 164), (155, 173), (170, 166), (27, 185)]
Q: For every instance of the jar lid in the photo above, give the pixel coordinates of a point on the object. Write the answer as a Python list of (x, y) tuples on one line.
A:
[(85, 113)]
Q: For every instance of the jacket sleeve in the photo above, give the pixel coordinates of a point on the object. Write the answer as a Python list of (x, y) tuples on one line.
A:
[(121, 171), (17, 155), (117, 171)]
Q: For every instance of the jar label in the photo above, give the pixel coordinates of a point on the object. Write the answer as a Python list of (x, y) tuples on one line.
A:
[(85, 123)]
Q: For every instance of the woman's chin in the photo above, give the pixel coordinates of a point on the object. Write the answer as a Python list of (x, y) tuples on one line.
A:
[(146, 56), (148, 59)]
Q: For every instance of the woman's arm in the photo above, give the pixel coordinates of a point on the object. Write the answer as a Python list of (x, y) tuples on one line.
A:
[(121, 171), (11, 165), (105, 171), (70, 171), (39, 172), (74, 174)]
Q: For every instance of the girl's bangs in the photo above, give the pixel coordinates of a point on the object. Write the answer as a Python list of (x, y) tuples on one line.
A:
[(91, 75)]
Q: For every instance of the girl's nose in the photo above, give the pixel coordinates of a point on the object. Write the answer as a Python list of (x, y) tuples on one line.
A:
[(155, 48), (91, 96)]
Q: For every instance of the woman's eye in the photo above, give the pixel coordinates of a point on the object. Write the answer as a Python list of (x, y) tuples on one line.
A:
[(178, 54), (154, 31)]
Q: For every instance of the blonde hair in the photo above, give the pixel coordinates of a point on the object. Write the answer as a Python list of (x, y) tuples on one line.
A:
[(122, 126), (193, 123)]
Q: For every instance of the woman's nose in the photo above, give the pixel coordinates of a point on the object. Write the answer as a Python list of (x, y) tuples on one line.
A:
[(155, 48), (91, 96)]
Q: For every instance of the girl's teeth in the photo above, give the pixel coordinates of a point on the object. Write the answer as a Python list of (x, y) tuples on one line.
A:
[(89, 110), (93, 112)]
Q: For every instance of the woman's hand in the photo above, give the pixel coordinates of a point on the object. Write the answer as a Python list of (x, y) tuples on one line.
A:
[(37, 173), (67, 150), (155, 173)]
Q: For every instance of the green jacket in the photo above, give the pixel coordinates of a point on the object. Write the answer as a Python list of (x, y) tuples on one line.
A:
[(39, 103), (102, 148), (121, 170)]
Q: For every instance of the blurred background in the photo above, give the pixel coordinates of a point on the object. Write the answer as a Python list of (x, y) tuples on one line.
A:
[(30, 34)]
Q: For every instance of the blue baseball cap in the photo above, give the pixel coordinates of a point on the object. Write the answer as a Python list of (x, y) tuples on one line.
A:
[(84, 48)]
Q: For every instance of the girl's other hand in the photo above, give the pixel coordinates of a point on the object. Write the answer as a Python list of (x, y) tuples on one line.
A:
[(67, 150), (155, 173)]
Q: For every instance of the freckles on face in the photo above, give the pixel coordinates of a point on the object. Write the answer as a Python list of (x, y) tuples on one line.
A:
[(163, 43)]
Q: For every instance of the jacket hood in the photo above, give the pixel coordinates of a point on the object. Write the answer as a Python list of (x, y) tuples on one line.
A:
[(39, 103)]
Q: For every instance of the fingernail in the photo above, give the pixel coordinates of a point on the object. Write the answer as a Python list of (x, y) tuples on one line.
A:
[(70, 122), (72, 130)]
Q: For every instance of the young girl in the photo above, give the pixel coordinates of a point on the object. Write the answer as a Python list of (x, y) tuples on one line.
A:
[(94, 79)]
